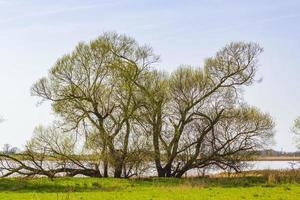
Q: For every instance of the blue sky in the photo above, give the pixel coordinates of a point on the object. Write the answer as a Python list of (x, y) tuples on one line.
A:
[(33, 34)]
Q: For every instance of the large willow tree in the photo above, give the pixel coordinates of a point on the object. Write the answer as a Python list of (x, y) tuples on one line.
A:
[(93, 89), (197, 118), (126, 112)]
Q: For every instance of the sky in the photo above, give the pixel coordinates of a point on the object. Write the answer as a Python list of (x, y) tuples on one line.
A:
[(34, 33)]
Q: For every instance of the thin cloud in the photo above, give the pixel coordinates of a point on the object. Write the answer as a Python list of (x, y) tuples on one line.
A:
[(274, 19), (255, 22), (58, 10)]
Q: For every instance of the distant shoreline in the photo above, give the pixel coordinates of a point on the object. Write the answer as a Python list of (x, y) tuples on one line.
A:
[(277, 158)]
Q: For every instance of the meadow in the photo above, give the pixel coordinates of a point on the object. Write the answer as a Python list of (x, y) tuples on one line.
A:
[(266, 184)]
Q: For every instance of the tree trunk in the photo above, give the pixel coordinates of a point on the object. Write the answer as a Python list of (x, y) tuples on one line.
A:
[(118, 170), (164, 172), (160, 172), (105, 168), (156, 130), (180, 173)]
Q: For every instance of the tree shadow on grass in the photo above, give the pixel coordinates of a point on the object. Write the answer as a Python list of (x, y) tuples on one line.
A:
[(46, 185), (204, 182)]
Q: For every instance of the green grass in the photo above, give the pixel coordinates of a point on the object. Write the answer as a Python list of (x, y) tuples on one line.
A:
[(231, 188)]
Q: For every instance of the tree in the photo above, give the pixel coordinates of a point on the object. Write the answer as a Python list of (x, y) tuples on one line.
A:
[(51, 152), (6, 148), (108, 91), (89, 90), (196, 116), (296, 130)]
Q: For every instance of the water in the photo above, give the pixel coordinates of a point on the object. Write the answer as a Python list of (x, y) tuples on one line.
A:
[(251, 165), (277, 165)]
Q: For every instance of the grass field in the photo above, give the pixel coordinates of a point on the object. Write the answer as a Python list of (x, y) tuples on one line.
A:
[(248, 186)]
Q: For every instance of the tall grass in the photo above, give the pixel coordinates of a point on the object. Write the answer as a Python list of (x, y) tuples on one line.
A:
[(244, 179)]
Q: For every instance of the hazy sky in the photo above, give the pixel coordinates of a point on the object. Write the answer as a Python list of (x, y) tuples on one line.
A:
[(33, 34)]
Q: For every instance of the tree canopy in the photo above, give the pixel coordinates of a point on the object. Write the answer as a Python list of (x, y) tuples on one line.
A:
[(118, 114)]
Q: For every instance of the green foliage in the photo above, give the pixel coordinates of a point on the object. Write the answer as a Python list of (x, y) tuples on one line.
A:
[(109, 91)]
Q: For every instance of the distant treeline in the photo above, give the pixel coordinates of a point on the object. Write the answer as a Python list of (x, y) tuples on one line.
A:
[(271, 152)]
